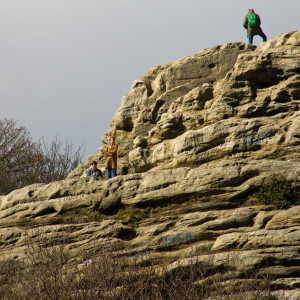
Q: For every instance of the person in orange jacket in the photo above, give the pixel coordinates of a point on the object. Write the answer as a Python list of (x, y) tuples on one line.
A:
[(111, 151)]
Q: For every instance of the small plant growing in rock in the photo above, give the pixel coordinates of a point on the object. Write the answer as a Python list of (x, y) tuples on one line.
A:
[(132, 215), (277, 191)]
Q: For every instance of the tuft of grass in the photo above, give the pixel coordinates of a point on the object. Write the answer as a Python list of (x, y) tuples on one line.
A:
[(277, 191), (205, 249), (132, 215), (80, 215)]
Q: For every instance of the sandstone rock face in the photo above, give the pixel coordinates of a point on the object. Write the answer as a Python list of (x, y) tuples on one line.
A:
[(152, 95), (197, 138)]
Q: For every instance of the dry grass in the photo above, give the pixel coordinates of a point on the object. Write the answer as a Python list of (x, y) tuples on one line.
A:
[(49, 273)]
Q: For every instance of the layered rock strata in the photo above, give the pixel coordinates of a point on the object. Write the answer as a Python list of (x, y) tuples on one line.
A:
[(197, 138)]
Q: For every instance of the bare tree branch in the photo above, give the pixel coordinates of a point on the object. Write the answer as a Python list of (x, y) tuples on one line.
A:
[(24, 162)]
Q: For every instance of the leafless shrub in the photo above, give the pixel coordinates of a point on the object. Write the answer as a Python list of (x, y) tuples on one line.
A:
[(8, 282), (17, 152), (24, 162), (50, 273), (59, 159)]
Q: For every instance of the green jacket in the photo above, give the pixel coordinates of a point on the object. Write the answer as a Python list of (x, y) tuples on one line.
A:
[(252, 31)]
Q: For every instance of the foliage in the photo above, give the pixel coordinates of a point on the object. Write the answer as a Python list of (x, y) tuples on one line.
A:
[(24, 162), (277, 191)]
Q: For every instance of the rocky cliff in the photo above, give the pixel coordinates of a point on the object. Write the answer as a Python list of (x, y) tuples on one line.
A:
[(197, 138)]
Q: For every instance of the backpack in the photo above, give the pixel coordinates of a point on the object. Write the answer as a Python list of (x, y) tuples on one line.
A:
[(253, 21)]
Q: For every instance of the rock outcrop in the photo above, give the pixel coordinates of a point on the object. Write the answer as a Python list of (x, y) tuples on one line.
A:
[(197, 138)]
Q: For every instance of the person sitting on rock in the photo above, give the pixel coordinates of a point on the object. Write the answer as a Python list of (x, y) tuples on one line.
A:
[(111, 160), (94, 171), (252, 24)]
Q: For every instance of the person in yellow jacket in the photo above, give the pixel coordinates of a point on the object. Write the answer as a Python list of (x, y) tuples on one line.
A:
[(111, 151)]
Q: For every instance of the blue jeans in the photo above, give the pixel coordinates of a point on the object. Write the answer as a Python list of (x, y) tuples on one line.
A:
[(109, 173), (250, 38)]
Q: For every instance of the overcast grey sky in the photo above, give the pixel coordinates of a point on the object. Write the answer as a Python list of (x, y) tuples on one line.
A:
[(66, 64)]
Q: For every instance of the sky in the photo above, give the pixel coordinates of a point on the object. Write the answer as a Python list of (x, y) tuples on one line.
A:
[(66, 64)]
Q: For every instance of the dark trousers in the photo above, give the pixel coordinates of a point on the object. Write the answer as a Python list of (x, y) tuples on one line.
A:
[(250, 38)]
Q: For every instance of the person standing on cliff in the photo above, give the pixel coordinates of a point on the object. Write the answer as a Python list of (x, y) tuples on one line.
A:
[(252, 24), (111, 160)]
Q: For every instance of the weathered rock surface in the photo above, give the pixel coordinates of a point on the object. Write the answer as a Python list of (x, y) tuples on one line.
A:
[(197, 138)]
